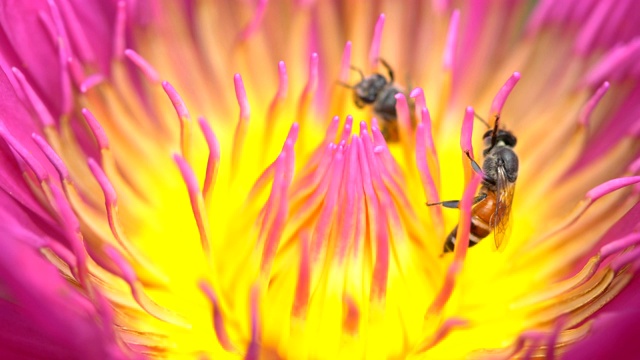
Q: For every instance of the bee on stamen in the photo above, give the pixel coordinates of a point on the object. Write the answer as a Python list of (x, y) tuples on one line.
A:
[(380, 91), (492, 207)]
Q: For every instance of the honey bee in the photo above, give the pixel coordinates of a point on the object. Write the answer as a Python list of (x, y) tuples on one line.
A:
[(492, 207), (376, 89)]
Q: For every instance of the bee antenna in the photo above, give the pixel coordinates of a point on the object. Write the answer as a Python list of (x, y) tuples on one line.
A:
[(388, 67), (359, 72), (345, 85), (475, 114)]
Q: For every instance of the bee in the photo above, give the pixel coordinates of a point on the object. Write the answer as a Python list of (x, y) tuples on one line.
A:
[(376, 89), (492, 207)]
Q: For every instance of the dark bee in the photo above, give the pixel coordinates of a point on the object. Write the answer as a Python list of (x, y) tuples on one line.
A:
[(376, 89), (492, 206)]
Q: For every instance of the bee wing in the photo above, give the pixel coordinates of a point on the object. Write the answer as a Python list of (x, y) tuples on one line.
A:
[(500, 220)]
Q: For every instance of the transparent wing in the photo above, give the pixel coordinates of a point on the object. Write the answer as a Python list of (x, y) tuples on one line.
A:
[(500, 220)]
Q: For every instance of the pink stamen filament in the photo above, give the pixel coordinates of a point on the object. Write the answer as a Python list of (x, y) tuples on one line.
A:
[(275, 107), (22, 152), (503, 94), (197, 205), (279, 208), (460, 251), (466, 141), (253, 350), (255, 22), (301, 298), (304, 102), (34, 100), (374, 189), (587, 110), (466, 137), (625, 259), (464, 224), (428, 184), (76, 71), (267, 214), (452, 41), (592, 196), (126, 272), (183, 116), (111, 206), (346, 129), (326, 218), (213, 161), (61, 38), (620, 244), (64, 53), (442, 332), (347, 222), (351, 320), (217, 317), (613, 63), (47, 22), (91, 81), (242, 127), (119, 37), (96, 129), (78, 36), (71, 228), (345, 63), (404, 125), (143, 65), (374, 50)]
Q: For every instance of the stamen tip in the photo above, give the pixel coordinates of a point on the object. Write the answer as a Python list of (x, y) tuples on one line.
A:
[(501, 97), (143, 65), (611, 186), (374, 52), (345, 62)]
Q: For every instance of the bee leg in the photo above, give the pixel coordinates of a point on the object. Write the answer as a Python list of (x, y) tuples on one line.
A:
[(479, 198), (388, 67), (345, 85), (474, 164), (453, 204)]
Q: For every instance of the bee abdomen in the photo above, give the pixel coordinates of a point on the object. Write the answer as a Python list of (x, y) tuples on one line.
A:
[(478, 231), (451, 240)]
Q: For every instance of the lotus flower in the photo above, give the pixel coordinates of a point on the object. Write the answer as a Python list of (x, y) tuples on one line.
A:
[(194, 179)]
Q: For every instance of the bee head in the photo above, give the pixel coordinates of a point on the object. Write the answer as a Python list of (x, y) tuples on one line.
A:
[(502, 138), (367, 90)]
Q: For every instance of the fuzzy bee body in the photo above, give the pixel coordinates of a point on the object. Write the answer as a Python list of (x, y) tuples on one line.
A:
[(380, 92), (492, 207)]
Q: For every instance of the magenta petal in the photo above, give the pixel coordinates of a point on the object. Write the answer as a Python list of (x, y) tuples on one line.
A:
[(613, 336), (53, 319), (20, 339), (32, 44), (27, 43), (46, 302)]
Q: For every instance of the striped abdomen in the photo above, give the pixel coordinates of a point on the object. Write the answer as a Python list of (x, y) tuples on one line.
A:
[(480, 219)]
